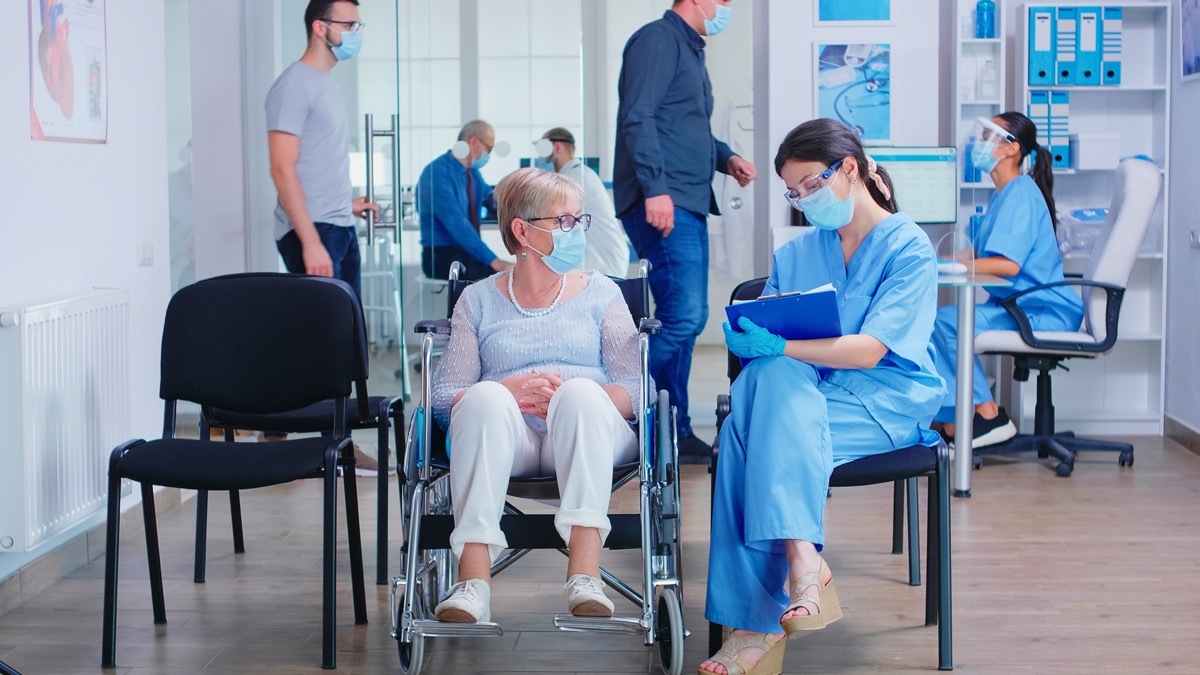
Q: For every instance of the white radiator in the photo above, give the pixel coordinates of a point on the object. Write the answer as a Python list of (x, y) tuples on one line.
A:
[(64, 405)]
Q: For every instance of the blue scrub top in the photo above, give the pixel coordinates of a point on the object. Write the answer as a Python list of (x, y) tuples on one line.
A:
[(1017, 226), (888, 291)]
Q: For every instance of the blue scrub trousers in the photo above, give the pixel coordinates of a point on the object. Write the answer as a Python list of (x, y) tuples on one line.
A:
[(988, 316), (786, 433), (679, 283)]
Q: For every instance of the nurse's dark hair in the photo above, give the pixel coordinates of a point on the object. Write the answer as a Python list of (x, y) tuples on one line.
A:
[(319, 9), (826, 141), (1025, 131)]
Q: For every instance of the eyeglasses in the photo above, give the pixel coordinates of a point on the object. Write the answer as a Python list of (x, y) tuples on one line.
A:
[(351, 26), (566, 222), (810, 185)]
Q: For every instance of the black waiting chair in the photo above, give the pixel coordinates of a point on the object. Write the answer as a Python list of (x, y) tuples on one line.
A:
[(379, 413), (231, 343), (1103, 286), (901, 467)]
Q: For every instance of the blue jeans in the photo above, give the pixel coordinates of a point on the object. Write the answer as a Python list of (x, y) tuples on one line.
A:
[(342, 245), (679, 284)]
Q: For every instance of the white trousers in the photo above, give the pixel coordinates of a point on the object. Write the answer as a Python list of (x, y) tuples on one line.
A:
[(490, 441)]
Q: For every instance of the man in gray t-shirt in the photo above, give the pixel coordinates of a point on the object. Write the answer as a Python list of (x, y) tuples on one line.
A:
[(308, 136)]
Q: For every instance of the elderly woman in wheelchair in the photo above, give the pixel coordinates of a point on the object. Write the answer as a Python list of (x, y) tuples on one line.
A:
[(541, 376), (802, 407)]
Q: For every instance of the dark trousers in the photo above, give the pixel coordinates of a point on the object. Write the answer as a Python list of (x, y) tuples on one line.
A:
[(436, 260), (342, 245), (679, 283)]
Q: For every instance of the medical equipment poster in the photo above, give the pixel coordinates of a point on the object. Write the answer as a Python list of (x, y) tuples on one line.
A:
[(68, 71), (856, 11), (854, 86)]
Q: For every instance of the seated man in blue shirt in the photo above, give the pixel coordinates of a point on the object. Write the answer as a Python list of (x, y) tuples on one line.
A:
[(451, 194)]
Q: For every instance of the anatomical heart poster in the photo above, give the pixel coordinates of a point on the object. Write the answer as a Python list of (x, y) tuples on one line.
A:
[(68, 71)]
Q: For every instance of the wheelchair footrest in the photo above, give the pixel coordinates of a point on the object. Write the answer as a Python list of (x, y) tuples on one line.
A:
[(429, 628), (605, 624), (534, 531)]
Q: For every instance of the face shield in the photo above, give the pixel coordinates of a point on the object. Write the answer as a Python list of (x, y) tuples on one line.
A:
[(989, 137)]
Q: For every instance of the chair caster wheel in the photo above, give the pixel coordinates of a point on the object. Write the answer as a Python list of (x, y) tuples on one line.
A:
[(1126, 458), (1063, 470), (977, 462)]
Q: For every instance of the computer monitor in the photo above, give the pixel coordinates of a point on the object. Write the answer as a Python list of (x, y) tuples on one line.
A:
[(925, 181), (591, 162)]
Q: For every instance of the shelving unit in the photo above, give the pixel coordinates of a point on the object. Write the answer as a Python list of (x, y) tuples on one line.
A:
[(973, 99), (1122, 392)]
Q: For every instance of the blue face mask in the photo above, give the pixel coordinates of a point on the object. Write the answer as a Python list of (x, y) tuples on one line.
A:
[(543, 164), (719, 21), (351, 43), (481, 161), (982, 155), (824, 211), (569, 248)]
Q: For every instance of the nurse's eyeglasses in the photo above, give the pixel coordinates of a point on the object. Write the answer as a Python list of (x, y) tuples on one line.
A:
[(566, 222), (810, 185)]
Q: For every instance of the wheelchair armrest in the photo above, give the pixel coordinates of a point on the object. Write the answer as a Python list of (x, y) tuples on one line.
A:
[(435, 326), (1112, 312), (650, 326), (724, 407)]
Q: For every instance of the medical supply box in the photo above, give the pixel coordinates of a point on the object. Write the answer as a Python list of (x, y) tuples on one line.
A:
[(1095, 150)]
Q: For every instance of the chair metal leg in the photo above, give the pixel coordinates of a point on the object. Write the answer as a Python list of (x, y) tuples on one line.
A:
[(354, 540), (198, 571), (932, 554), (329, 564), (914, 533), (112, 541), (6, 669), (897, 517), (714, 629), (945, 605), (381, 501), (152, 555), (235, 517)]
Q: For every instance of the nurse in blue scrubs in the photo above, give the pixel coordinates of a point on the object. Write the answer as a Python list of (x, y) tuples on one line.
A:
[(1016, 241), (802, 407)]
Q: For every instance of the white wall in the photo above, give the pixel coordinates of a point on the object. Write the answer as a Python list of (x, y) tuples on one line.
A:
[(76, 212), (1183, 260)]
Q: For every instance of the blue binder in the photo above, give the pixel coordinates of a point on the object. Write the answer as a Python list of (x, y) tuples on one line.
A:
[(1060, 147), (1111, 30), (1066, 45), (792, 316), (1089, 46), (1038, 111), (1041, 46)]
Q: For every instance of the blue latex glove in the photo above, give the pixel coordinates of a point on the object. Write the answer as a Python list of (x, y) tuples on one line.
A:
[(753, 340)]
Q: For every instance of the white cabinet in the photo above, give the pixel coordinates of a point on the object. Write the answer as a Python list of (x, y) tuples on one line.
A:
[(1122, 391), (980, 81)]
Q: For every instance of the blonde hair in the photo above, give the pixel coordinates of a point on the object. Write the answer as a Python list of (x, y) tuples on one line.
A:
[(526, 193)]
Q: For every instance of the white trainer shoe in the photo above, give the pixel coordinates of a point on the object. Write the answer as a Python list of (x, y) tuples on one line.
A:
[(585, 596), (470, 601)]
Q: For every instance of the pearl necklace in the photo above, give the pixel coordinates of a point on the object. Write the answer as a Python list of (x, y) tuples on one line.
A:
[(536, 312)]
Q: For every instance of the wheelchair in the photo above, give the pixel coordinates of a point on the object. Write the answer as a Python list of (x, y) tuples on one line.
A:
[(428, 564)]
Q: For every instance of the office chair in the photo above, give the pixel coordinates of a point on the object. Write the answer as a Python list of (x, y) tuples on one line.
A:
[(901, 467), (1136, 189)]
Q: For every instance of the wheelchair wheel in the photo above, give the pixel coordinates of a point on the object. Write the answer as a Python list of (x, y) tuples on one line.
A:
[(665, 503), (412, 654), (668, 631)]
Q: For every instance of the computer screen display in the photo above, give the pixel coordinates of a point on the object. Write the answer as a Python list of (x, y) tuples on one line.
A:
[(926, 181)]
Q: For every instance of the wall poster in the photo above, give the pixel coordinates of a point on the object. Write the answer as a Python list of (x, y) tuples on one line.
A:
[(854, 86), (68, 71)]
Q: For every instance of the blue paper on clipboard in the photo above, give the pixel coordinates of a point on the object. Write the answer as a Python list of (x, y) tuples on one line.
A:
[(793, 316)]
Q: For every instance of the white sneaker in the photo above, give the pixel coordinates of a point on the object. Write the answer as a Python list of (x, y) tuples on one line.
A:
[(585, 596), (470, 601)]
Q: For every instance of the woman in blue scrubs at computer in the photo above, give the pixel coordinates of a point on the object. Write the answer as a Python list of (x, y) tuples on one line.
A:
[(802, 407), (1016, 241)]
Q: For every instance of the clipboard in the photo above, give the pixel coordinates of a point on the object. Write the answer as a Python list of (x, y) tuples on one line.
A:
[(801, 315)]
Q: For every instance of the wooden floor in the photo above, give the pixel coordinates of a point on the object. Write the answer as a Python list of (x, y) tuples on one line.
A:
[(1094, 573)]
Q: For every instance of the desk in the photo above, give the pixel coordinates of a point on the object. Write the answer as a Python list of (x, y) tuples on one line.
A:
[(964, 405)]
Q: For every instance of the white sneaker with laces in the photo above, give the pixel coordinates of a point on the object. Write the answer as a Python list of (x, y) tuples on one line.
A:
[(585, 596), (470, 601)]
